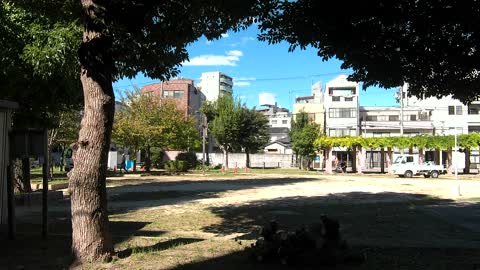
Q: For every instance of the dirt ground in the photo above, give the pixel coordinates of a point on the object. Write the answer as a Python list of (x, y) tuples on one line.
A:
[(190, 221)]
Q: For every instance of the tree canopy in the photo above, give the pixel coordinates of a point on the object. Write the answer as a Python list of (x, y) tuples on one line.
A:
[(303, 135), (39, 65), (254, 131), (431, 45), (148, 121)]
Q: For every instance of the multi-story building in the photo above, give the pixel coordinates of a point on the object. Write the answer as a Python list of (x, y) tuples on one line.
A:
[(278, 117), (385, 121), (182, 91), (341, 107), (215, 84), (313, 105)]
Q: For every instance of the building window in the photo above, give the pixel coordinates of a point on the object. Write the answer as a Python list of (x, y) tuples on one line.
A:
[(393, 118), (172, 93), (472, 110), (284, 122), (342, 113), (348, 98), (339, 132), (335, 98), (451, 110), (381, 134), (413, 117), (311, 117), (458, 110), (274, 122), (371, 118)]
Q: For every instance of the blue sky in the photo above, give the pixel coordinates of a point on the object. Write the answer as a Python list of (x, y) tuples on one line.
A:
[(258, 67)]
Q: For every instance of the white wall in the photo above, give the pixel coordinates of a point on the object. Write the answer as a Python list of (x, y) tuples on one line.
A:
[(256, 160)]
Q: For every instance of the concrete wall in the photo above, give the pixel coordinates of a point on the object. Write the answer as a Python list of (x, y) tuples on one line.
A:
[(256, 160)]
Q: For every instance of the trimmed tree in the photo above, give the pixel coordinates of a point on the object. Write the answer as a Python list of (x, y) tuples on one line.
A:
[(254, 132)]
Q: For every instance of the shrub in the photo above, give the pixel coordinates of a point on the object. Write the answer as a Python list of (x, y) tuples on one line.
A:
[(190, 158), (175, 166), (157, 157)]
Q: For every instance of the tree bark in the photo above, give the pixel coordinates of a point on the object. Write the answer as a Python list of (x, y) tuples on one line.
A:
[(21, 171), (382, 160), (449, 161), (91, 240), (225, 157), (421, 156), (328, 163), (247, 161), (148, 160), (354, 159), (467, 161), (389, 161)]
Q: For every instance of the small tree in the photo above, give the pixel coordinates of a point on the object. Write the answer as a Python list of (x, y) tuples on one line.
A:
[(226, 125), (303, 135), (254, 132)]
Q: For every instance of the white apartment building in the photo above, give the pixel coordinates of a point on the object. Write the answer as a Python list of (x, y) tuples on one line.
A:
[(385, 121), (341, 107), (215, 84)]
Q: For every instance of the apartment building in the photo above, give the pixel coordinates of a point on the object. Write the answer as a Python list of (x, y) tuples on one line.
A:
[(313, 105), (215, 84), (341, 101), (181, 91)]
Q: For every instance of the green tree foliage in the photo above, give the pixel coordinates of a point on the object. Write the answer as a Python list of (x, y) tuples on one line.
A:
[(303, 135), (254, 132), (148, 121), (39, 65), (225, 127), (432, 45)]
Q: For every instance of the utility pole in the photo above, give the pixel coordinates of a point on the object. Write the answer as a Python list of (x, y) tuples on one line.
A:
[(401, 113)]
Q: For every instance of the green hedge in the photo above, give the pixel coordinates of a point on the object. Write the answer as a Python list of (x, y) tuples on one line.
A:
[(190, 158), (175, 166)]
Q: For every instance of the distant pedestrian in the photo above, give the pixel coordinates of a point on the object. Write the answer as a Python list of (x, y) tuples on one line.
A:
[(123, 164)]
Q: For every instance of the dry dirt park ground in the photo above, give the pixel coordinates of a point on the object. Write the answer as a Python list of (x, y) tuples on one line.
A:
[(192, 221)]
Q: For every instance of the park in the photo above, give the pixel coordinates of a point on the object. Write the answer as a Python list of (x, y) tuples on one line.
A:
[(192, 221), (59, 60)]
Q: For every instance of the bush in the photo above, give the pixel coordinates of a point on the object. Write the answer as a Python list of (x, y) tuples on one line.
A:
[(175, 166), (157, 157), (190, 159)]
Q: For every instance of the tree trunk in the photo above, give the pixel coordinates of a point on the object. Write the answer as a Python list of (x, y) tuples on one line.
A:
[(91, 240), (354, 159), (328, 163), (247, 162), (389, 161), (225, 157), (148, 160), (21, 171), (359, 160), (382, 160), (467, 161), (449, 161), (421, 156)]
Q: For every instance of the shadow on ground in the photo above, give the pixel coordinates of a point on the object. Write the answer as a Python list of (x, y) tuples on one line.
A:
[(396, 230)]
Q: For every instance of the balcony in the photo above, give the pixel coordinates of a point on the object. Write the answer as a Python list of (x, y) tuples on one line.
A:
[(226, 88), (226, 80)]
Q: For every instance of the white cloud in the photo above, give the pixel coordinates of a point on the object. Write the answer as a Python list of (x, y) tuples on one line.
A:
[(243, 41), (229, 59), (244, 79), (225, 35), (241, 83)]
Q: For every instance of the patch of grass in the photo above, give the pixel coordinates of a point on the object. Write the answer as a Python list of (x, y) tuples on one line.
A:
[(51, 182)]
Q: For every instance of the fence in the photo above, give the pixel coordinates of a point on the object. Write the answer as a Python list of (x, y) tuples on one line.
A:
[(256, 160)]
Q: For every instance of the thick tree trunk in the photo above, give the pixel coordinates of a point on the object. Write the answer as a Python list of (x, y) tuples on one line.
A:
[(247, 161), (354, 159), (467, 161), (21, 172), (91, 239)]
